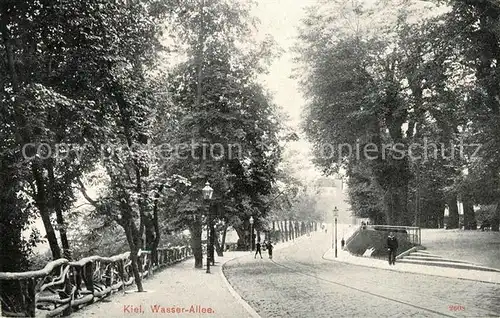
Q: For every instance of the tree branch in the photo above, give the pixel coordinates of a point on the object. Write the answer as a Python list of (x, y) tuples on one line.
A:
[(84, 193)]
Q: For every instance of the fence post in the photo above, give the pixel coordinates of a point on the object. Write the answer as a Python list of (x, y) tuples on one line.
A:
[(30, 284), (165, 257), (170, 256), (68, 291), (159, 255), (109, 276), (151, 263), (139, 264), (120, 266)]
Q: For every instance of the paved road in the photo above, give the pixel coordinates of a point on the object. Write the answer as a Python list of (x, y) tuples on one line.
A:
[(299, 283)]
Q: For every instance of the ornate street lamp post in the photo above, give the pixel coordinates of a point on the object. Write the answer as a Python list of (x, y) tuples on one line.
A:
[(335, 215), (207, 195), (251, 233)]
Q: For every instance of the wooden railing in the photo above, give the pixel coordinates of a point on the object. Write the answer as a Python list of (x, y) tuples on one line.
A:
[(63, 286), (412, 233)]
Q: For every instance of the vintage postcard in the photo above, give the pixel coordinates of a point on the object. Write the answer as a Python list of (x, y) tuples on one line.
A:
[(249, 158)]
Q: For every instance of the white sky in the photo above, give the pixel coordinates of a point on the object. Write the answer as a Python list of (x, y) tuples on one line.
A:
[(280, 18)]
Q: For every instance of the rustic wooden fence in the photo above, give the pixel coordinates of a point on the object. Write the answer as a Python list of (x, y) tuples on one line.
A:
[(63, 286)]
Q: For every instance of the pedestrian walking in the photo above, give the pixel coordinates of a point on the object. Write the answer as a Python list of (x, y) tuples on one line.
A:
[(270, 249), (392, 246), (257, 250)]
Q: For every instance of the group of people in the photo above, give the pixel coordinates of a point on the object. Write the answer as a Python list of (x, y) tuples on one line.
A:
[(392, 246), (269, 246)]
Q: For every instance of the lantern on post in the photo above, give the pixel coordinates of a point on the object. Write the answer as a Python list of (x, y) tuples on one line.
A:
[(207, 192), (335, 215), (251, 233)]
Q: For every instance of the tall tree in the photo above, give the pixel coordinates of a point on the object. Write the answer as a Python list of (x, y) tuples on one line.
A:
[(227, 123)]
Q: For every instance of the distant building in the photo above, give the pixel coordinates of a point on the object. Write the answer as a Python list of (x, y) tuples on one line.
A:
[(332, 192)]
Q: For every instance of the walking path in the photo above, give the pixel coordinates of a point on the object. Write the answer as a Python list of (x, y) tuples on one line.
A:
[(477, 275), (471, 246), (179, 290)]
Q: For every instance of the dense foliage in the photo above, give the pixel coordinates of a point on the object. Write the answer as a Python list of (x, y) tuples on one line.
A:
[(116, 113), (416, 84)]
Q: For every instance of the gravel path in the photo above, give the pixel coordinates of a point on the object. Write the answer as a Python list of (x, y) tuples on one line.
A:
[(178, 288)]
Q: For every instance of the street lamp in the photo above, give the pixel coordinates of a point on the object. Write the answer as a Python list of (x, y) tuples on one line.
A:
[(251, 233), (335, 215), (207, 195)]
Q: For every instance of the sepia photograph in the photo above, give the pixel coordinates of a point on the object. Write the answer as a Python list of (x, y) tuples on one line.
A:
[(249, 158)]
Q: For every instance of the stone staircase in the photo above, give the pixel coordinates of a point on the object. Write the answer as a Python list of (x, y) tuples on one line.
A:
[(422, 257)]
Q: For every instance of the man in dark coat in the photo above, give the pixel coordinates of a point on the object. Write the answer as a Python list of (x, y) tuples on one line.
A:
[(257, 250), (392, 245), (270, 249)]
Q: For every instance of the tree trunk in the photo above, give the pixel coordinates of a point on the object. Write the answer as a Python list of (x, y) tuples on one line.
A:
[(285, 225), (149, 231), (146, 226), (62, 232), (133, 239), (252, 237), (273, 235), (282, 231), (418, 208), (41, 203), (156, 225), (212, 239), (56, 204), (453, 217), (223, 243), (469, 216), (196, 230), (396, 201), (405, 218)]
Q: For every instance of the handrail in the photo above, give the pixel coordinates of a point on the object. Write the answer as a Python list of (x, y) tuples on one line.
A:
[(34, 274), (414, 232), (394, 226), (62, 286)]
